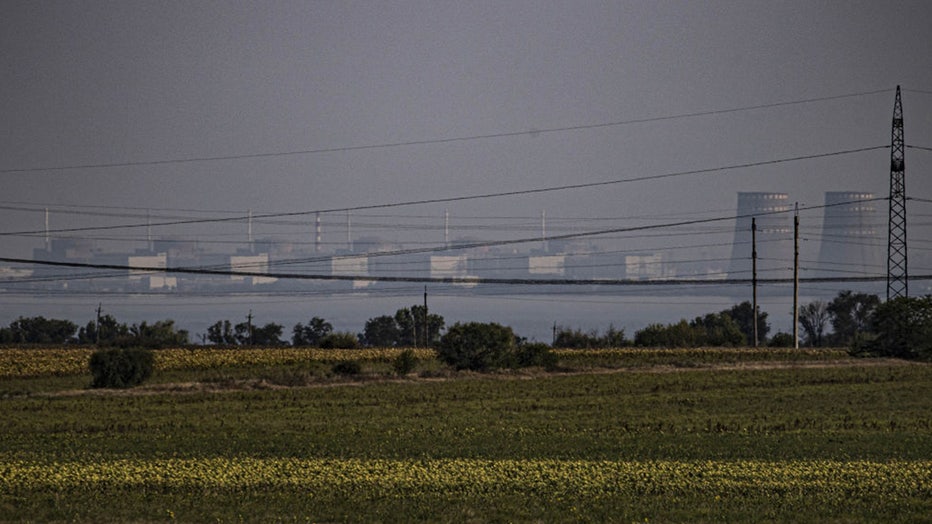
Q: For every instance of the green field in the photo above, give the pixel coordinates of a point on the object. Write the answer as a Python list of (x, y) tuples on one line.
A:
[(620, 435)]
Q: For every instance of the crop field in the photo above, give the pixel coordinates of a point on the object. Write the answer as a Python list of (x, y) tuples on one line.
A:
[(613, 435)]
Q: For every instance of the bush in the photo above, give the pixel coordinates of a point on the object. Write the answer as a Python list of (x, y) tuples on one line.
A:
[(347, 367), (714, 329), (121, 368), (782, 340), (535, 354), (341, 340), (477, 346), (405, 362), (577, 339), (679, 335)]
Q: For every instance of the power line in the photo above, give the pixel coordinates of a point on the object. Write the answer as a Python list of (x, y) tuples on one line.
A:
[(241, 270), (464, 280), (919, 147), (435, 141), (459, 198), (567, 236)]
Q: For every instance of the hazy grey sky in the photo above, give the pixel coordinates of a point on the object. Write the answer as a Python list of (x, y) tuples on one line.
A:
[(93, 82)]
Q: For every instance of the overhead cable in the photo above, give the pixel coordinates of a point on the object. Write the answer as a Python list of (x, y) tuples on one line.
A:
[(457, 198), (435, 141), (465, 280)]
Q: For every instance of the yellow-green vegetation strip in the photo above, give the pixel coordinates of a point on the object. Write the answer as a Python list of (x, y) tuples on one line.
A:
[(44, 362), (389, 478), (712, 354)]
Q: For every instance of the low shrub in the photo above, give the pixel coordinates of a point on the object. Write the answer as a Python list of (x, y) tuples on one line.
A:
[(347, 367), (405, 362), (121, 368), (781, 340), (340, 340), (535, 355)]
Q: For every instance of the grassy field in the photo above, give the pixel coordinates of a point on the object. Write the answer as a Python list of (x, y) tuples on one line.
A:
[(617, 435)]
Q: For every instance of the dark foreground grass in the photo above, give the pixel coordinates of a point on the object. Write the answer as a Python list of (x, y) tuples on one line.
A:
[(685, 445)]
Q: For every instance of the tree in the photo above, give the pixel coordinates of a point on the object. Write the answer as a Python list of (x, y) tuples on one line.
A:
[(158, 335), (743, 315), (38, 330), (614, 338), (410, 322), (901, 328), (578, 339), (850, 314), (107, 332), (243, 332), (221, 333), (812, 318), (682, 334), (340, 340), (477, 346), (268, 335), (381, 331), (718, 329), (311, 334)]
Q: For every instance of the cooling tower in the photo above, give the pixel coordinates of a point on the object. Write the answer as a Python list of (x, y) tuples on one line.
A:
[(852, 244), (774, 236)]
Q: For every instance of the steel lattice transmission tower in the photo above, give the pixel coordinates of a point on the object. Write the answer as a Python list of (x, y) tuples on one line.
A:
[(897, 274)]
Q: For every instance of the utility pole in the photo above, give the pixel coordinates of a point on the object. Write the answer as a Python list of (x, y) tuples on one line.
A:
[(754, 274), (897, 273), (426, 327), (97, 326), (796, 277), (249, 326)]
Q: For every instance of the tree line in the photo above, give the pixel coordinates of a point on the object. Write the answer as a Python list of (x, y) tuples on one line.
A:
[(408, 327), (849, 314), (899, 327)]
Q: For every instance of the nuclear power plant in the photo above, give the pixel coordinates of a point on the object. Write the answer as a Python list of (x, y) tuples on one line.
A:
[(846, 241), (773, 216), (852, 243)]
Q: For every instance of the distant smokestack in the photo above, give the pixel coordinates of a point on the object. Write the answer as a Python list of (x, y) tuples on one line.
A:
[(249, 228), (48, 238), (317, 233), (543, 229), (349, 230)]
